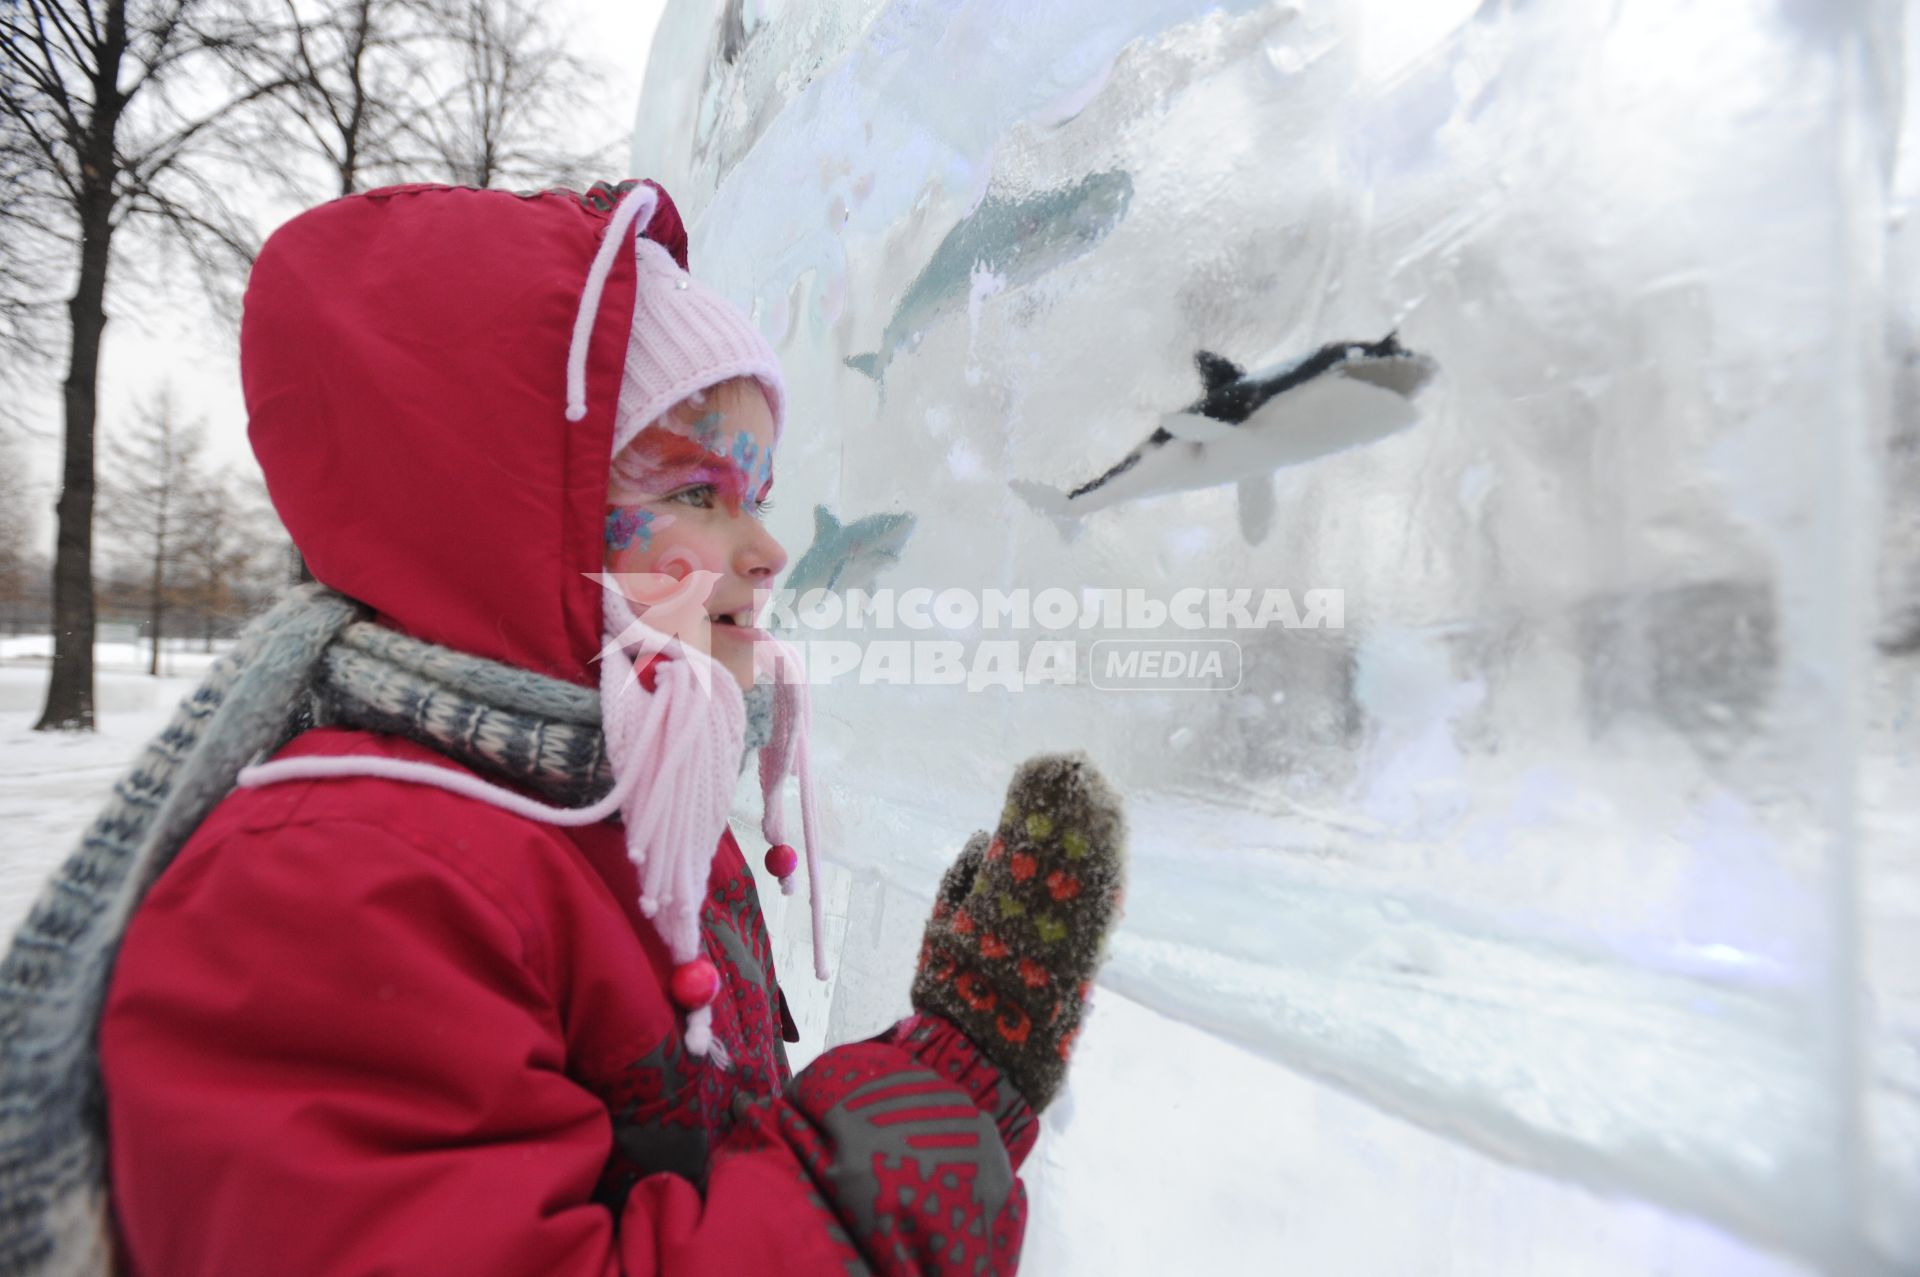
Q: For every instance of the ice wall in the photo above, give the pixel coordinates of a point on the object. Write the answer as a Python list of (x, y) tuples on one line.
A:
[(1576, 841)]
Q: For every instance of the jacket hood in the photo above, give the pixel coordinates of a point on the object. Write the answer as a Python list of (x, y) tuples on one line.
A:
[(403, 355)]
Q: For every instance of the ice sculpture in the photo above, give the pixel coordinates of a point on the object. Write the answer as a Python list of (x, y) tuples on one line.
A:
[(1581, 836)]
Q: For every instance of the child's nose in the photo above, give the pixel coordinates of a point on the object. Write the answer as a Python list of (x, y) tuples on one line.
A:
[(760, 557)]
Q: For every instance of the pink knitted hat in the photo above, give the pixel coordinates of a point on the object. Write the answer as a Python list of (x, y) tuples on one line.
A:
[(686, 338)]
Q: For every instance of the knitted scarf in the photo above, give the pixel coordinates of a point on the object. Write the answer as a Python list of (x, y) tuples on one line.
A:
[(315, 658)]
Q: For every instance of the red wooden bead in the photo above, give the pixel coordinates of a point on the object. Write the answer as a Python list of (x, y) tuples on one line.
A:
[(782, 860), (695, 984)]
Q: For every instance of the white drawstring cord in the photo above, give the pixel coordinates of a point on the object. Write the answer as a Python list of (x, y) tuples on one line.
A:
[(643, 199), (679, 740), (463, 783), (787, 752), (808, 825)]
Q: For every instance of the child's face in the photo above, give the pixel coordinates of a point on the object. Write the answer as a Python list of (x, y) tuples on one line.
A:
[(687, 495)]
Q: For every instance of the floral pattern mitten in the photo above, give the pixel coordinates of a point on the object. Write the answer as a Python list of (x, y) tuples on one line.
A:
[(1020, 925)]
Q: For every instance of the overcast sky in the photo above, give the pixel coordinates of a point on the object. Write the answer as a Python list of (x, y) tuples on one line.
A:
[(197, 358)]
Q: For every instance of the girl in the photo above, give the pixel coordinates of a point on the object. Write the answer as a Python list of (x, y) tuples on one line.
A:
[(471, 977)]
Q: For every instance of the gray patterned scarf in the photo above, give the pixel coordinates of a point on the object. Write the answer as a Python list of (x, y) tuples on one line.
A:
[(313, 659)]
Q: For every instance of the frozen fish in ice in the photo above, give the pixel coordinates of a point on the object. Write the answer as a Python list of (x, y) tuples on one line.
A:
[(1015, 240), (849, 556), (1247, 425)]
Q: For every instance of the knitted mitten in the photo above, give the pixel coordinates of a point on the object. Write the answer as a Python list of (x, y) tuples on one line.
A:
[(1021, 922)]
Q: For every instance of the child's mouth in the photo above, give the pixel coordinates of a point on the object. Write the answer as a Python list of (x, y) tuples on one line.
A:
[(736, 624)]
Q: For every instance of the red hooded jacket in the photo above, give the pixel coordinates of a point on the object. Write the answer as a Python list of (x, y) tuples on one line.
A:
[(360, 1026)]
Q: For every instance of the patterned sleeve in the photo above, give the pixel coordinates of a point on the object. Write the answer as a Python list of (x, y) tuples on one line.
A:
[(902, 1150)]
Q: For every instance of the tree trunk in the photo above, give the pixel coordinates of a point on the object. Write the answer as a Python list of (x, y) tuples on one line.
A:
[(70, 687), (69, 704)]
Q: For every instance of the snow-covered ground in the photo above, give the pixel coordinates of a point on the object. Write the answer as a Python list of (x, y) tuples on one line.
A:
[(1178, 1151), (1175, 1151)]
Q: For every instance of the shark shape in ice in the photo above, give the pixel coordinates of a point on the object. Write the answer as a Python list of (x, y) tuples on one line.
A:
[(851, 556), (1016, 241), (1247, 425)]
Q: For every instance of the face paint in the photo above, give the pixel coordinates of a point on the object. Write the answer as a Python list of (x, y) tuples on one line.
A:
[(758, 466), (706, 431), (629, 525), (660, 462)]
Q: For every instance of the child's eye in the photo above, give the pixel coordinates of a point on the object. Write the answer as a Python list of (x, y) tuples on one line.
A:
[(761, 508), (700, 496)]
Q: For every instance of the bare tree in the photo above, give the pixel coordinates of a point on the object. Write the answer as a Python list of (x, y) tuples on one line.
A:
[(517, 89), (359, 71), (116, 103), (470, 91), (154, 472), (133, 113)]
